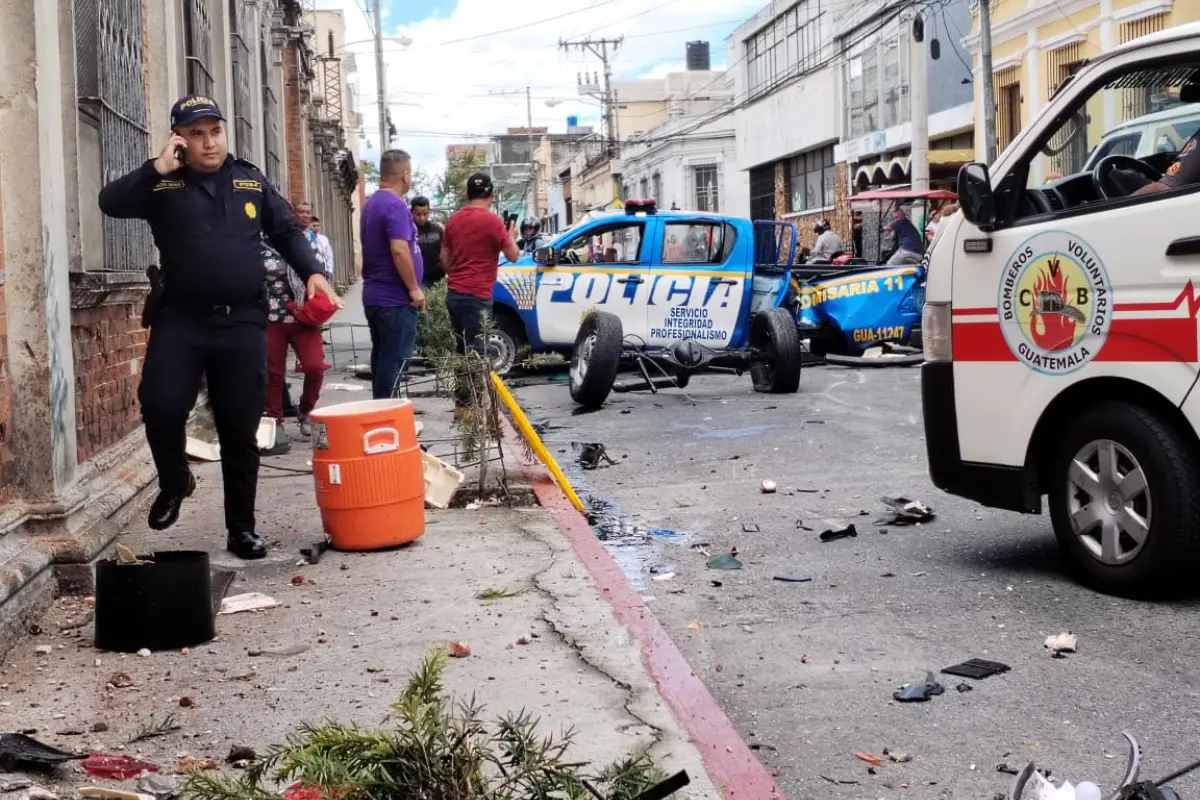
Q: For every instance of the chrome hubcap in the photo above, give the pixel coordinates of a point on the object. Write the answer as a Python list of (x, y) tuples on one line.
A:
[(1109, 502), (583, 355), (502, 352)]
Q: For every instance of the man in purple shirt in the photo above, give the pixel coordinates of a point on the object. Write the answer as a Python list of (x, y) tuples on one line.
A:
[(392, 270)]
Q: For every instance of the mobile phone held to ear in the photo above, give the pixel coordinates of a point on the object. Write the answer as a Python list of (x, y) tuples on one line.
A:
[(181, 155)]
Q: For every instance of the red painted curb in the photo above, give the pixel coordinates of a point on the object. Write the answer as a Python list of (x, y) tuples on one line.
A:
[(729, 762)]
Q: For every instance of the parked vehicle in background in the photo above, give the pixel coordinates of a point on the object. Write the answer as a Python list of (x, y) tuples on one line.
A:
[(1162, 132)]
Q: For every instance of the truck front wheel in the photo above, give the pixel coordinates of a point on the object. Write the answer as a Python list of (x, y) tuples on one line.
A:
[(1124, 492), (596, 358), (778, 352)]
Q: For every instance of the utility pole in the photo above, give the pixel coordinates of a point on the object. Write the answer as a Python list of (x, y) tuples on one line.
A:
[(531, 184), (919, 105), (600, 49), (988, 87), (381, 81)]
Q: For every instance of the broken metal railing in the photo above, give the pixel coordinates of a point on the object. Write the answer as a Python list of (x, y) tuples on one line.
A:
[(477, 433)]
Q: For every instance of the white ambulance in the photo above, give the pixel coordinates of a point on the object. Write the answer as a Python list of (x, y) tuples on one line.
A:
[(1060, 327)]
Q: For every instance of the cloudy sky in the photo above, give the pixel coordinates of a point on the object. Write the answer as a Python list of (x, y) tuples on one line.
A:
[(469, 62)]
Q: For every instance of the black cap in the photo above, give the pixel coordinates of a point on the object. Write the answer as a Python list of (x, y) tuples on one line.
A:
[(194, 108), (479, 185)]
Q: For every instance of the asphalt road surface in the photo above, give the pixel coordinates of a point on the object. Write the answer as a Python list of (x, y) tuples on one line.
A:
[(807, 670)]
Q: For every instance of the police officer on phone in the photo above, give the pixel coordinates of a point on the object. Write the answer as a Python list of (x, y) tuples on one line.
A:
[(209, 212)]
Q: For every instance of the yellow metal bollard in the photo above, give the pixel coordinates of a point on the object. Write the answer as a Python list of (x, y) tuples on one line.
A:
[(535, 442)]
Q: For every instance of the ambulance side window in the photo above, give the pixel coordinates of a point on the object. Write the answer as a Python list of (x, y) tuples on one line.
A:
[(1056, 177)]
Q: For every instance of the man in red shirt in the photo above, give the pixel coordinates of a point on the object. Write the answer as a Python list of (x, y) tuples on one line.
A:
[(472, 242)]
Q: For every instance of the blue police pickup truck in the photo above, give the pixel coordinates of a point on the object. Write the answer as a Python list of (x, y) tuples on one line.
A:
[(677, 290)]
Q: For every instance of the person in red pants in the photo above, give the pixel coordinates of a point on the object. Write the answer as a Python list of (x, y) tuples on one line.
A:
[(285, 292)]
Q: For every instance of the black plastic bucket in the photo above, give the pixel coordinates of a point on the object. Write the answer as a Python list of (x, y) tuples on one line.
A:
[(164, 605)]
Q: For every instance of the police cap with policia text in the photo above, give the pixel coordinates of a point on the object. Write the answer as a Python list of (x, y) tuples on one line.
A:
[(193, 108)]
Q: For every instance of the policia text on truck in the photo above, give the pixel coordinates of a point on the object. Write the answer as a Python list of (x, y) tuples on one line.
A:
[(209, 212)]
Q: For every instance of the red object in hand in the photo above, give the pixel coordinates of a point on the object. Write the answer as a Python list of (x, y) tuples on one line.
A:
[(119, 768), (315, 312)]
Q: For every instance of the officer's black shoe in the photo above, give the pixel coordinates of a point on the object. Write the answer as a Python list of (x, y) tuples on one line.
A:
[(164, 511), (248, 545)]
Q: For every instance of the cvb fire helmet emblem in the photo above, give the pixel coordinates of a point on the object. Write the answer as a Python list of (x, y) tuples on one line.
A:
[(1055, 303)]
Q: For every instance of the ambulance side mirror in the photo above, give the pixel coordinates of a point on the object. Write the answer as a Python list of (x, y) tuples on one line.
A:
[(975, 197)]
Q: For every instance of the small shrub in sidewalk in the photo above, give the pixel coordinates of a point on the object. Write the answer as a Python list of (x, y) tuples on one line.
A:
[(437, 747), (434, 331)]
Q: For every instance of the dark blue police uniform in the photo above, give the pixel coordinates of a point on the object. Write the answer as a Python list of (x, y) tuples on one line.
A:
[(212, 321)]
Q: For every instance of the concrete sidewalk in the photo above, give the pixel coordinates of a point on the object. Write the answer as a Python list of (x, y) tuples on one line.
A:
[(350, 630)]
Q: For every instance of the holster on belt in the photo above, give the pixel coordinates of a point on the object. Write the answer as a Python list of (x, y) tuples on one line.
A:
[(154, 300)]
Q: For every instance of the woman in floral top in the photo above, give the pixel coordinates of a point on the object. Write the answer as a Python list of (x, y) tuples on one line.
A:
[(284, 288)]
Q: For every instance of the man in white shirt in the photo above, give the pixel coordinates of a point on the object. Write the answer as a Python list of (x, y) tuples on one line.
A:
[(324, 248)]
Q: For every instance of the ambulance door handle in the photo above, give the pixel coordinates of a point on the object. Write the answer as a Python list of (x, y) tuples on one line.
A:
[(630, 279), (722, 282), (1187, 246)]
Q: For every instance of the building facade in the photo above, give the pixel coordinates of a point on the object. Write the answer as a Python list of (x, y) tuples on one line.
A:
[(687, 161), (85, 92), (875, 43), (787, 118), (1036, 47)]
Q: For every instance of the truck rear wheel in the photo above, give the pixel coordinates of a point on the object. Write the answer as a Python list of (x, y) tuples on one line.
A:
[(1125, 501), (774, 336), (596, 358)]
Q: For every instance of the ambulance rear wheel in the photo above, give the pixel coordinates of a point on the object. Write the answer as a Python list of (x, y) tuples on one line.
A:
[(596, 358), (1124, 493)]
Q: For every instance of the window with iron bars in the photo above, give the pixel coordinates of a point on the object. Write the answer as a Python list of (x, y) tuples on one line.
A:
[(111, 93), (239, 28), (705, 187), (197, 43)]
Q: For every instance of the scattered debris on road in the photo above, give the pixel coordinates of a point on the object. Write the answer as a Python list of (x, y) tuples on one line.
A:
[(17, 749), (768, 487), (976, 668), (164, 727), (835, 529), (905, 512), (873, 760), (725, 561), (919, 692), (896, 756), (792, 579), (591, 454), (1060, 644), (250, 601), (839, 781), (749, 527), (963, 688), (102, 793), (119, 768), (459, 650), (312, 554)]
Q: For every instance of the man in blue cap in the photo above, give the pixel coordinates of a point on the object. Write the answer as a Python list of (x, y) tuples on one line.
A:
[(209, 212)]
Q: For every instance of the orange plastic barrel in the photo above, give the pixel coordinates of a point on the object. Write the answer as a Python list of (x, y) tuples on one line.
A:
[(368, 474)]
